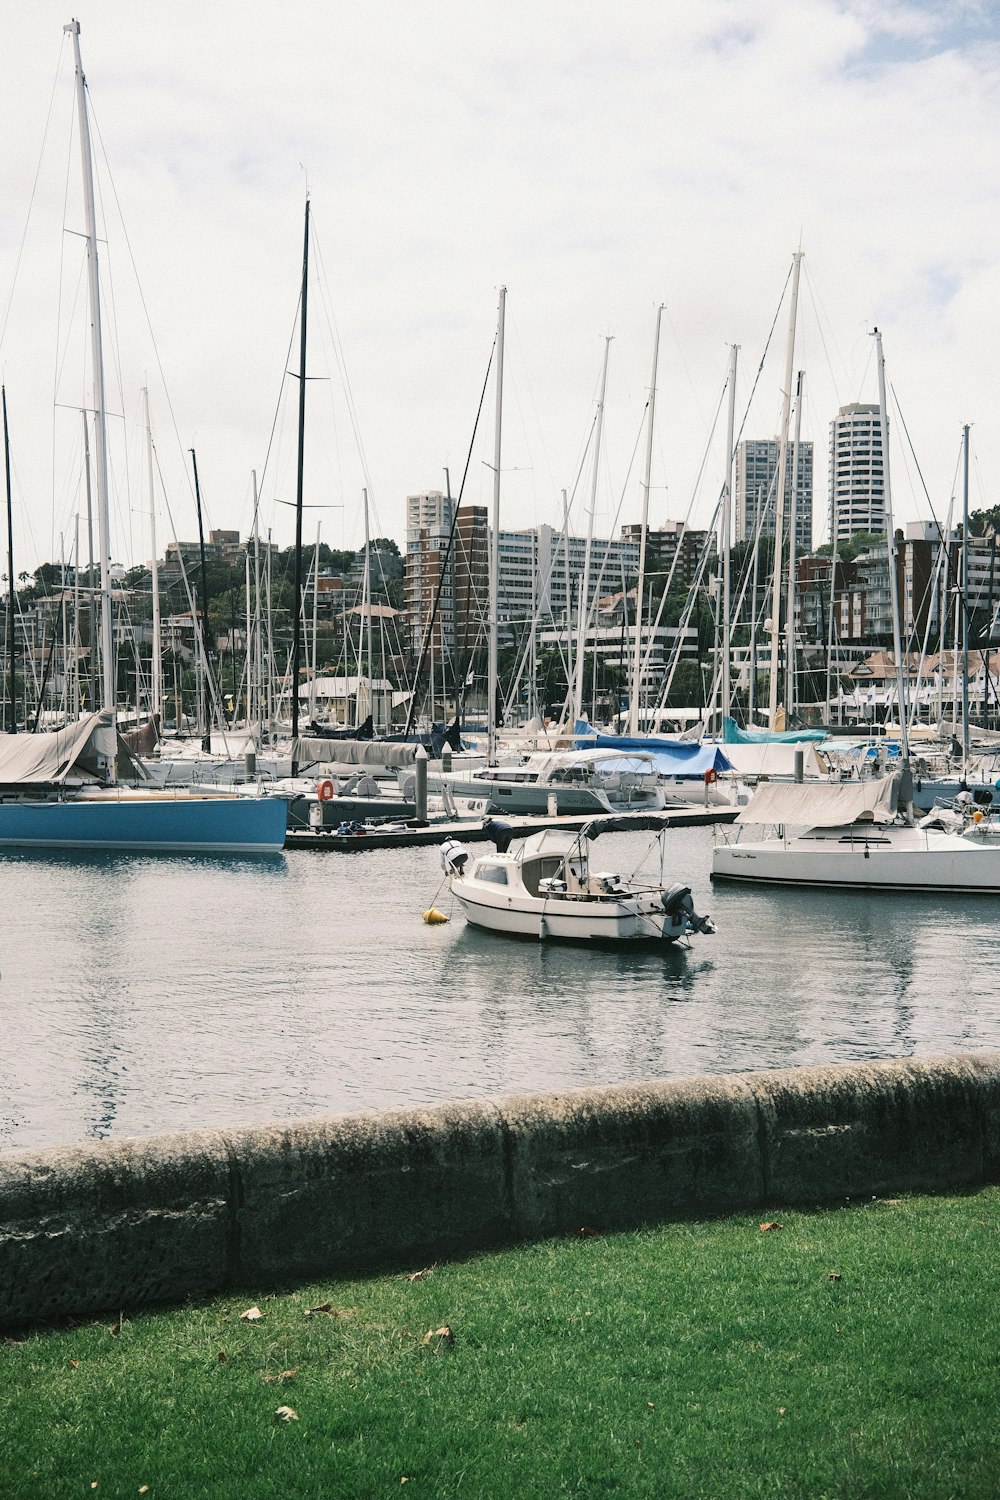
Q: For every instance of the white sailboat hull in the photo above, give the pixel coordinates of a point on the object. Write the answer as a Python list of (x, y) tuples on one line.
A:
[(893, 858)]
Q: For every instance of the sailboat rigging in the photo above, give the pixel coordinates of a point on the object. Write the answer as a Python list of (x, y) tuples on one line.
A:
[(11, 597), (299, 472), (62, 790), (97, 371)]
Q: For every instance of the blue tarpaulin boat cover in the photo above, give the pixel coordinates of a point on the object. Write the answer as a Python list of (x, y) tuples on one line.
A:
[(732, 734), (673, 757)]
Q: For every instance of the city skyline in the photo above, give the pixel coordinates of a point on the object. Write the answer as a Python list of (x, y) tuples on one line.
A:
[(595, 168)]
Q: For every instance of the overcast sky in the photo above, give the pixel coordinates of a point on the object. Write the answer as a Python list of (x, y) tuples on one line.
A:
[(596, 159)]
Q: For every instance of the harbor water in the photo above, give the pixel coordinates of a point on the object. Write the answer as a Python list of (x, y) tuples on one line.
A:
[(154, 994)]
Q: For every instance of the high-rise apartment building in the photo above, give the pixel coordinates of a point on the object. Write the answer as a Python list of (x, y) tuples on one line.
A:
[(674, 545), (756, 484), (857, 472), (459, 575), (541, 569)]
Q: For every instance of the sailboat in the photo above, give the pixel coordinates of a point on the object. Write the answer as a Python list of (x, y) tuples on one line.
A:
[(81, 788), (863, 835), (852, 836)]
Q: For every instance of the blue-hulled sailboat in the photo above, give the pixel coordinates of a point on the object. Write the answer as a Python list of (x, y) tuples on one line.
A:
[(81, 787)]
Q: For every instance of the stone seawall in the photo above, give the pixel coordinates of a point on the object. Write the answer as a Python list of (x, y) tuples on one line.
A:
[(87, 1230)]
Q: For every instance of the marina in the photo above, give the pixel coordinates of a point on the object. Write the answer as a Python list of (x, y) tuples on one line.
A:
[(499, 750), (239, 698), (176, 993)]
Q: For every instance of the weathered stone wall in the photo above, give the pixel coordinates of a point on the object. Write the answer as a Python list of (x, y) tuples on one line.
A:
[(108, 1228)]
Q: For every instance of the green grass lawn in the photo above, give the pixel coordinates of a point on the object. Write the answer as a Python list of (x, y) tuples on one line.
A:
[(852, 1352)]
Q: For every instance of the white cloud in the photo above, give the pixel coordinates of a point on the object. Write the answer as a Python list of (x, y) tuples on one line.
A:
[(596, 160)]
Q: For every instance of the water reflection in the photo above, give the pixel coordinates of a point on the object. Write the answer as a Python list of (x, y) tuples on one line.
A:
[(154, 994)]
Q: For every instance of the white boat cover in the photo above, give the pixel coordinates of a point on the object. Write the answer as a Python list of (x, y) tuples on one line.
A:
[(774, 759), (73, 753), (823, 804), (354, 752)]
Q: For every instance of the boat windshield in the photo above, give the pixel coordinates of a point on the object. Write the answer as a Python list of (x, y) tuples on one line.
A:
[(542, 867)]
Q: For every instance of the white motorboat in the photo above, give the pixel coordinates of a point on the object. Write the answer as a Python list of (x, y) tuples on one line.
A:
[(850, 836), (560, 781), (547, 887)]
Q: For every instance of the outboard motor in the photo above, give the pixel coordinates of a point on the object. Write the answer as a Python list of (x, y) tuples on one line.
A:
[(454, 857), (677, 903)]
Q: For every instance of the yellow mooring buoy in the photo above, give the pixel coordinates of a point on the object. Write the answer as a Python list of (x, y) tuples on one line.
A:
[(433, 917)]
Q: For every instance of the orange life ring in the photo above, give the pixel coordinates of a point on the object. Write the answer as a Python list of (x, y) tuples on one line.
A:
[(325, 790), (711, 775)]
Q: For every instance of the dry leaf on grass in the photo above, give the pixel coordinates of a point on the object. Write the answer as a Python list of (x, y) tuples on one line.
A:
[(281, 1379), (252, 1315), (222, 1356), (74, 1364), (144, 1489), (421, 1275), (771, 1224), (286, 1414), (834, 1276), (330, 1311), (441, 1338)]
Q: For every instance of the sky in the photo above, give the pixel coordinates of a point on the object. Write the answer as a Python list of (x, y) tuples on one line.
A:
[(597, 160)]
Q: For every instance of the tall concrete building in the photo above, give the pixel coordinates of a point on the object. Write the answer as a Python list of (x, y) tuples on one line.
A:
[(463, 580), (674, 539), (541, 570), (857, 472), (756, 482)]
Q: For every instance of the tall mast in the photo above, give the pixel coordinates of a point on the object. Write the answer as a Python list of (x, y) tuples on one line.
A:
[(11, 599), (76, 619), (569, 597), (97, 362), (300, 469), (633, 699), (792, 550), (779, 504), (315, 629), (727, 542), (93, 651), (492, 665), (367, 592), (890, 537), (206, 715), (154, 570), (965, 604), (248, 639), (258, 642), (583, 612)]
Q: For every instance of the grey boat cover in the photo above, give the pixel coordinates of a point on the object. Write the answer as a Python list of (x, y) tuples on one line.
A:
[(76, 753), (309, 750), (822, 804)]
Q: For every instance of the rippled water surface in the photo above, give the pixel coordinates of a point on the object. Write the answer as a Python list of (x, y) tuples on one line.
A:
[(156, 994)]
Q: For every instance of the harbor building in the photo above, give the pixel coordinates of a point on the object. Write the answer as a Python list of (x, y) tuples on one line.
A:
[(857, 472), (756, 483)]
